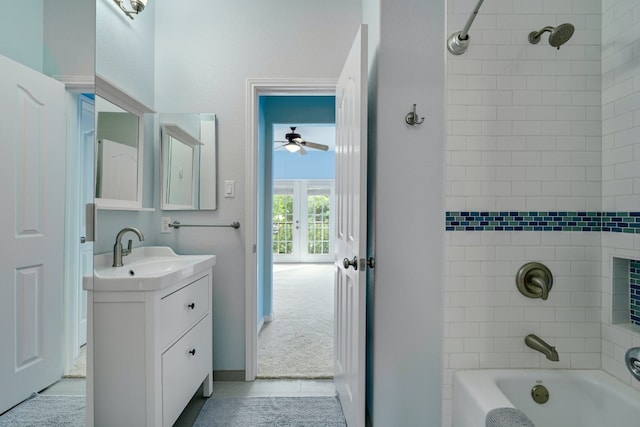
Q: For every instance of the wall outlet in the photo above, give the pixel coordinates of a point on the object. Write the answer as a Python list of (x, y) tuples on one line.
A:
[(164, 224)]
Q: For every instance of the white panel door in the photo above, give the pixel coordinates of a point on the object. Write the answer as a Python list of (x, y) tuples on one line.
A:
[(32, 172), (351, 232)]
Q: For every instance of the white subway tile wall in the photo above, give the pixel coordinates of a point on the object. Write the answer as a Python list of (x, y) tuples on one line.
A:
[(620, 67), (533, 128), (530, 115)]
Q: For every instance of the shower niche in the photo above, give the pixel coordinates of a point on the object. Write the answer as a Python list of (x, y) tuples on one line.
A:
[(625, 292)]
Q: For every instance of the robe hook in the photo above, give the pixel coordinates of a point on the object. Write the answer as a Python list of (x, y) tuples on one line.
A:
[(412, 117)]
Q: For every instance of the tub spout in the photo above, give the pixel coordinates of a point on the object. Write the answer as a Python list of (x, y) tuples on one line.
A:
[(538, 344)]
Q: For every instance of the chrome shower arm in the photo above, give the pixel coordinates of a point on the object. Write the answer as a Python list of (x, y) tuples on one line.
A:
[(465, 31), (534, 36), (458, 42), (545, 29)]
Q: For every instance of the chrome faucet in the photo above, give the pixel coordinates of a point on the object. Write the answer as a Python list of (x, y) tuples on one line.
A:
[(538, 344), (118, 252)]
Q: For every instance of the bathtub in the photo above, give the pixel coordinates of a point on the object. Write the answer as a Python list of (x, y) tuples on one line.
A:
[(586, 398)]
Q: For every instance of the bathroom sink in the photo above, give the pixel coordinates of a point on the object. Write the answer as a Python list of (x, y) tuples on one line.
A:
[(147, 268)]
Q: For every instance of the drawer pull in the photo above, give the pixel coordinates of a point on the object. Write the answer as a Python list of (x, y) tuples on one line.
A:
[(192, 305), (192, 352)]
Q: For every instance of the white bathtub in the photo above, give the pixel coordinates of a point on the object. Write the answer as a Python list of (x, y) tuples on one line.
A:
[(576, 397)]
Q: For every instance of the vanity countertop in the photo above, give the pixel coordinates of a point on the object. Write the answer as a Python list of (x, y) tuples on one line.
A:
[(147, 268)]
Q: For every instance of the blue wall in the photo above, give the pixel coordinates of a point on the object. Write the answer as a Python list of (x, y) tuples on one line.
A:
[(285, 110)]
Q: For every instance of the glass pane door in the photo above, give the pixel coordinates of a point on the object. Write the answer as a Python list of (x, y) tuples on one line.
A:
[(303, 221), (318, 224), (286, 222)]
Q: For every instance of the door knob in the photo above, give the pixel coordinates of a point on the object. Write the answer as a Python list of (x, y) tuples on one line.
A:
[(350, 263)]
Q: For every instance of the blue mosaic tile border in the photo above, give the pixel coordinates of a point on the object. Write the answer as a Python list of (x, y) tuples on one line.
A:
[(617, 222), (634, 291)]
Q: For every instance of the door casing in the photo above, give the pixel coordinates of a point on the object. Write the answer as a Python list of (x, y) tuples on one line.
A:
[(73, 272), (255, 89)]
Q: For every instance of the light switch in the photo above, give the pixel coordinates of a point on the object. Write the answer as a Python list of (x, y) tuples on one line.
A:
[(229, 189)]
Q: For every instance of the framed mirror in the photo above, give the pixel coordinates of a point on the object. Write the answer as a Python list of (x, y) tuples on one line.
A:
[(119, 148), (188, 148)]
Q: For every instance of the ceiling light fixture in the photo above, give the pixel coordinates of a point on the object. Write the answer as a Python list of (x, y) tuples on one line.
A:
[(292, 147), (136, 5)]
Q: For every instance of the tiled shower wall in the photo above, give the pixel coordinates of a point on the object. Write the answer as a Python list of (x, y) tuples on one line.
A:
[(620, 164), (524, 134)]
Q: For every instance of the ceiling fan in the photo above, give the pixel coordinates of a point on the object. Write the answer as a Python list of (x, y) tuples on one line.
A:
[(294, 142)]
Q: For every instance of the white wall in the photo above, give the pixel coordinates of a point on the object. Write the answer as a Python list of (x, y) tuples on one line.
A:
[(21, 33), (406, 321), (69, 39), (125, 49), (54, 38), (204, 55), (125, 57), (524, 134), (620, 164)]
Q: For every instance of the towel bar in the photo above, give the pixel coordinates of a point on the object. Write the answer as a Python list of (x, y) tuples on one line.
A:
[(177, 224)]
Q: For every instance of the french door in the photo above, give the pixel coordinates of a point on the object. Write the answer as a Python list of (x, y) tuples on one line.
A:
[(303, 221)]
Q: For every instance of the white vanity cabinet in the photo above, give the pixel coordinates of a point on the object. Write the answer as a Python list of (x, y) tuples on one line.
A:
[(148, 350)]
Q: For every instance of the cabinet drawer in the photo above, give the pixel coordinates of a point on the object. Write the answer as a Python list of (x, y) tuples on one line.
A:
[(184, 366), (182, 309)]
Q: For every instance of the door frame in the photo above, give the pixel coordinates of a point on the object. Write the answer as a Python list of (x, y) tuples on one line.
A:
[(255, 89), (74, 87)]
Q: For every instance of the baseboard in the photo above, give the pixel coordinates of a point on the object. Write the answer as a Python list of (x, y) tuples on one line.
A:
[(238, 375), (265, 319)]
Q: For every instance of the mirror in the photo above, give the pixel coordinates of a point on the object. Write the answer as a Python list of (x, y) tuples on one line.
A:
[(188, 150), (118, 162), (119, 148)]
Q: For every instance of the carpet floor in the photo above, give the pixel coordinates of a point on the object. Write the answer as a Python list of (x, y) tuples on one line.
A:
[(271, 411), (79, 369), (47, 410), (298, 342)]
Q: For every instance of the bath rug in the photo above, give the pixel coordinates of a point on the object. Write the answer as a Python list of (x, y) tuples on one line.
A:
[(507, 417), (47, 411), (271, 411)]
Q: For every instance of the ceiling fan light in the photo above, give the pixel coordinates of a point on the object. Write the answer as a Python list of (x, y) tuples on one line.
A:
[(292, 147)]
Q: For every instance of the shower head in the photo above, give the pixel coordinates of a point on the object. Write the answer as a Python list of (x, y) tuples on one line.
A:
[(559, 35)]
